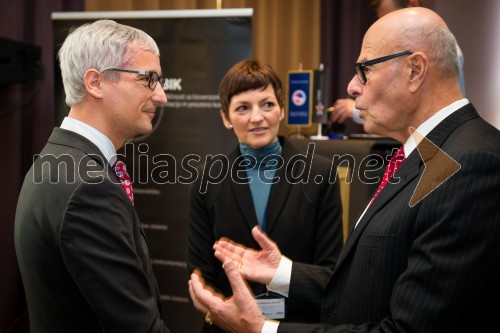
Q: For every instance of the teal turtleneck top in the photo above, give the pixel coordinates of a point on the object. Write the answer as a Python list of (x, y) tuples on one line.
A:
[(262, 175)]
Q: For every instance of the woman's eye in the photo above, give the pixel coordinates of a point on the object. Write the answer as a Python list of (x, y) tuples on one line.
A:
[(241, 108), (268, 106)]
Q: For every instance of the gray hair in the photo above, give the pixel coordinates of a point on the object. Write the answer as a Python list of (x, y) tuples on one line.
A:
[(437, 42), (101, 45)]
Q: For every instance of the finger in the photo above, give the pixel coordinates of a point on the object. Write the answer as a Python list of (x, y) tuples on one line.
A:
[(238, 285), (230, 246), (204, 297), (264, 242), (229, 255), (222, 255), (194, 283), (236, 249)]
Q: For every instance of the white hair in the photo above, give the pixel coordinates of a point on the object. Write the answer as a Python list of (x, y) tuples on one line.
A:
[(439, 44), (101, 45)]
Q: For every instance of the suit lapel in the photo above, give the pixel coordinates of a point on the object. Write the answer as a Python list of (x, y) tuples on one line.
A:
[(407, 173), (279, 191), (242, 195), (64, 137)]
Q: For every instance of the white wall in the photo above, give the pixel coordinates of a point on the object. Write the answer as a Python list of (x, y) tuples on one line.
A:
[(476, 25)]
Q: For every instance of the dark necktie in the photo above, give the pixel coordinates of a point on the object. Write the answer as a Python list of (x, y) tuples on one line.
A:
[(395, 162), (122, 174)]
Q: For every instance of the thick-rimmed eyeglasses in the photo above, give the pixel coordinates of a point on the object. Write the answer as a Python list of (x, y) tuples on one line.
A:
[(360, 66), (153, 77)]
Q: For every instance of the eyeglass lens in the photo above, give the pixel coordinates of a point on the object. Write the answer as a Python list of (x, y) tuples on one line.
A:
[(154, 78)]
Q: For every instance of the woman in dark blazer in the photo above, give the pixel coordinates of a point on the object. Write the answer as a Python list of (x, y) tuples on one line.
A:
[(292, 195)]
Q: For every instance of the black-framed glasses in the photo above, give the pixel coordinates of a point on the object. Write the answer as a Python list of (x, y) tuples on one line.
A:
[(153, 77), (360, 66)]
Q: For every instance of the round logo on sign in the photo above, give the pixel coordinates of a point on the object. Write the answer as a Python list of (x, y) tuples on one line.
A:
[(299, 97)]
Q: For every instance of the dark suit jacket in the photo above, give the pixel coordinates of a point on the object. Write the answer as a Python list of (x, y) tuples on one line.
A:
[(305, 220), (83, 256), (430, 268)]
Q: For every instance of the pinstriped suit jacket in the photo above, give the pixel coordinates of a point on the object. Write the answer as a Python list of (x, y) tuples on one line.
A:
[(430, 268)]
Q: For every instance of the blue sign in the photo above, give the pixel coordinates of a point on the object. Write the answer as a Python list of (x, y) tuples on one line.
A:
[(299, 98)]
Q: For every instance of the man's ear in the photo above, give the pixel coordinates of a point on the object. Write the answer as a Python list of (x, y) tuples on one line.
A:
[(92, 80), (419, 64)]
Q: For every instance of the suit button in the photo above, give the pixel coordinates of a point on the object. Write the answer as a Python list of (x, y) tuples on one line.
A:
[(331, 315)]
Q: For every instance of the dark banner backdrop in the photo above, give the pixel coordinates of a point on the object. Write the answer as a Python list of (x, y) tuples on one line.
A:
[(197, 48)]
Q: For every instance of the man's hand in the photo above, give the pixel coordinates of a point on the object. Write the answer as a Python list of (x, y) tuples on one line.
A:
[(240, 313), (258, 266), (343, 108)]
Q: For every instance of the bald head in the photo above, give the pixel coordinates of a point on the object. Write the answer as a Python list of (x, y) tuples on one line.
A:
[(418, 29), (407, 70)]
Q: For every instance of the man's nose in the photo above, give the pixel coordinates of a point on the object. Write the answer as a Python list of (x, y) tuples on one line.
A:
[(159, 96), (354, 88)]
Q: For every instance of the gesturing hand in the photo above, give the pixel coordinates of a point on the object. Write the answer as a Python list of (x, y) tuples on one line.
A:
[(259, 266), (240, 313)]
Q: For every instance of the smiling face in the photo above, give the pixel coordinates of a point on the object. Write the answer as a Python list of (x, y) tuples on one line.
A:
[(131, 104), (255, 116)]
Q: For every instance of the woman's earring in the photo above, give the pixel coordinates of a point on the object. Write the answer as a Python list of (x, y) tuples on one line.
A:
[(230, 126)]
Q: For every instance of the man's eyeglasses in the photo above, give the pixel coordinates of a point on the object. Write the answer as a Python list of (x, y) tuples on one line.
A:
[(360, 66), (153, 77)]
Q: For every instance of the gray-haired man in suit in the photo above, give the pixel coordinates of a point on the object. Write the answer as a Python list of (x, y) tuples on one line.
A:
[(81, 250)]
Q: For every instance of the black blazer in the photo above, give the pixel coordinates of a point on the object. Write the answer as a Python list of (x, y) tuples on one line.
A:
[(305, 220), (430, 268), (83, 256)]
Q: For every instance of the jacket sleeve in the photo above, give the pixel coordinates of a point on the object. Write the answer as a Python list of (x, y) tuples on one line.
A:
[(200, 237), (328, 221), (107, 258)]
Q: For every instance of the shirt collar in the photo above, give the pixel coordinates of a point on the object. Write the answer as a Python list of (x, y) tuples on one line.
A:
[(93, 135), (427, 126)]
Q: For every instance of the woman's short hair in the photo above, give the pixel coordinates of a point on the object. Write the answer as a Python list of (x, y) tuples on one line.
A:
[(248, 75)]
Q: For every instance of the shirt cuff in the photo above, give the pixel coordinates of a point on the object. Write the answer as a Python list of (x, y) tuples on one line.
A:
[(280, 283), (270, 326), (356, 118)]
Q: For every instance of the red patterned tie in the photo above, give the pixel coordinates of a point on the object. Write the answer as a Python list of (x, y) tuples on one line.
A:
[(122, 174), (395, 162)]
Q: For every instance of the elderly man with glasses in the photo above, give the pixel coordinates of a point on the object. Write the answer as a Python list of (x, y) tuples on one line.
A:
[(344, 108), (423, 255)]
